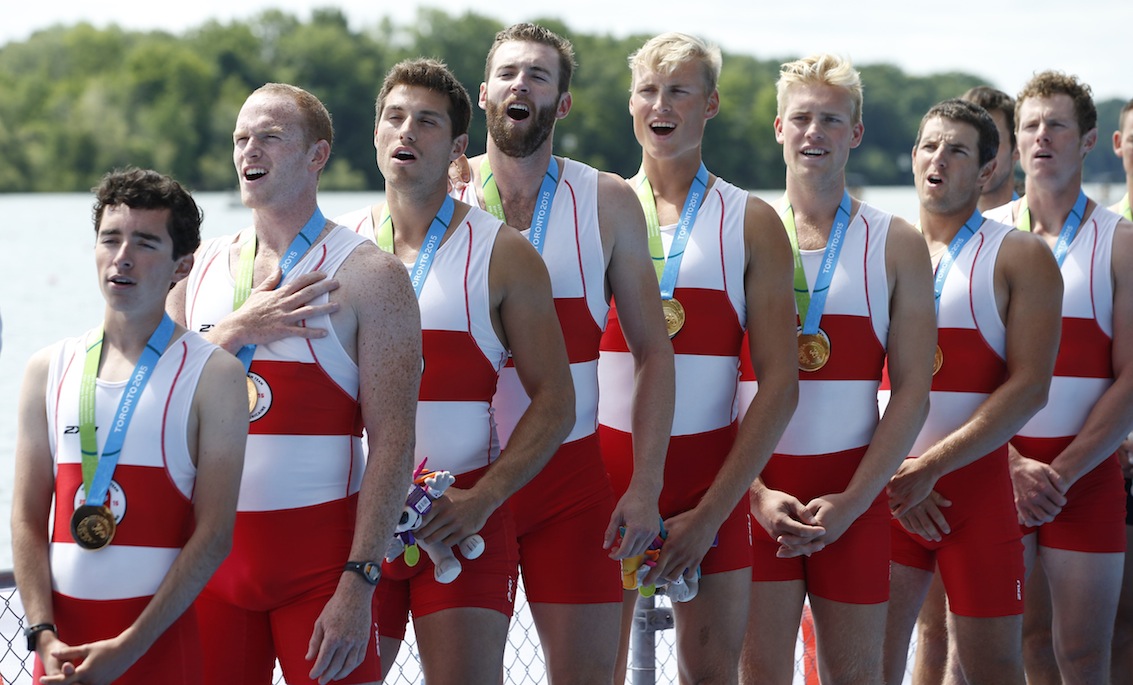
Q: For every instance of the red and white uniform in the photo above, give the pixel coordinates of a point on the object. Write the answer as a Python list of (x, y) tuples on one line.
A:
[(710, 287), (455, 430), (98, 593), (981, 559), (562, 513), (302, 471), (462, 353), (1093, 518), (817, 455)]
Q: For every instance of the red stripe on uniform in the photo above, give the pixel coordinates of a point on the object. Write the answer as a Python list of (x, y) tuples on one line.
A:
[(711, 327), (456, 369), (747, 372), (580, 332), (1041, 449), (153, 507), (1085, 351), (969, 365), (304, 401), (855, 352)]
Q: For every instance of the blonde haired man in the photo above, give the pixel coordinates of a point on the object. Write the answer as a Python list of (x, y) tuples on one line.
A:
[(863, 294), (723, 267)]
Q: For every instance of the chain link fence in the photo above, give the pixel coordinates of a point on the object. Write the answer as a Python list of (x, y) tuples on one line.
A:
[(523, 660)]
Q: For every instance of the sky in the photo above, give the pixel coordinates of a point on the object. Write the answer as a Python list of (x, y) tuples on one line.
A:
[(1003, 41)]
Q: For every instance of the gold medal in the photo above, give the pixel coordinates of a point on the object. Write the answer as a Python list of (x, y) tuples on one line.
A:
[(814, 350), (253, 394), (937, 360), (674, 315), (93, 527)]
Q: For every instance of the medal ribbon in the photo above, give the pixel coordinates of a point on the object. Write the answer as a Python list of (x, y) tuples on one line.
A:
[(299, 246), (433, 238), (810, 304), (668, 268), (1125, 209), (1069, 229), (97, 471), (542, 214), (966, 232)]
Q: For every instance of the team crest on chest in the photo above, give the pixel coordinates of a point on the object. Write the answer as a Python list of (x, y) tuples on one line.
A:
[(116, 500), (259, 396)]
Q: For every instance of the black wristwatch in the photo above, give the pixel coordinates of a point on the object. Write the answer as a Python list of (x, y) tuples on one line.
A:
[(367, 569), (32, 634)]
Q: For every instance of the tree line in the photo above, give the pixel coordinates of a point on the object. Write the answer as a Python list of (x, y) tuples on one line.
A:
[(79, 101)]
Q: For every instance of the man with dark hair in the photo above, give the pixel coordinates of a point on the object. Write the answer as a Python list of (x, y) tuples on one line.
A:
[(590, 231), (932, 637), (316, 509), (997, 293), (1000, 188), (142, 517), (1067, 481), (485, 297)]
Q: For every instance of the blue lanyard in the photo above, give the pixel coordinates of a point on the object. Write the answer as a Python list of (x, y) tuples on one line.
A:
[(433, 238), (1069, 229), (667, 273), (98, 471), (966, 232), (542, 214), (299, 246), (811, 303)]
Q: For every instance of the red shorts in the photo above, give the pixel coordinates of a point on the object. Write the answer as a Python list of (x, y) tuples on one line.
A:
[(981, 560), (174, 658), (1093, 519), (487, 582), (263, 601), (853, 570), (561, 518), (691, 465)]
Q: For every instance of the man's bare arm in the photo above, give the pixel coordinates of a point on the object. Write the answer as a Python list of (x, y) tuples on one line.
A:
[(1033, 314), (31, 505), (633, 283), (910, 348), (375, 288), (527, 324)]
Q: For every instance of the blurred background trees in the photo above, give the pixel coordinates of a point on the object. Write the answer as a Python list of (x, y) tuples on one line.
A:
[(76, 101)]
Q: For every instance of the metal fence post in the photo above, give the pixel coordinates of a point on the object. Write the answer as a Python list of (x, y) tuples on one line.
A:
[(647, 620)]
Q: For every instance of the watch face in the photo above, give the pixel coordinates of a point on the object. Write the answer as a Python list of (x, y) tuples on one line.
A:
[(372, 571), (367, 569)]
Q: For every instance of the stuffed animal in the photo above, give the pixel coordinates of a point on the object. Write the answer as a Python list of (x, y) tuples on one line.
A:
[(426, 488), (635, 568)]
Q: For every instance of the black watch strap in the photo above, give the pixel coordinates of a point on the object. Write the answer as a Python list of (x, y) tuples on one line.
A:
[(32, 634), (369, 570)]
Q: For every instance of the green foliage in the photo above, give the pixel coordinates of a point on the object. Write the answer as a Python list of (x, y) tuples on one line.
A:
[(80, 100)]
